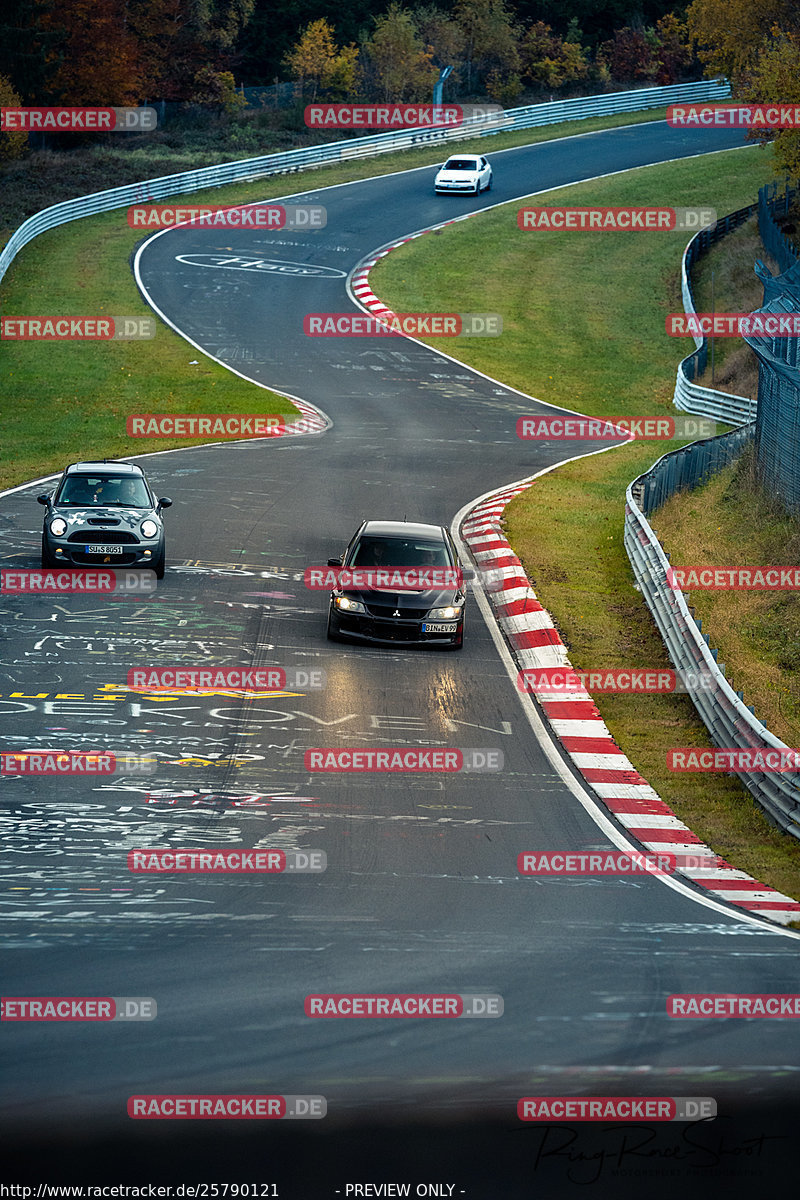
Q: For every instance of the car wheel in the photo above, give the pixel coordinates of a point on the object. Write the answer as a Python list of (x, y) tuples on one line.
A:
[(159, 564), (47, 559), (477, 187), (489, 184)]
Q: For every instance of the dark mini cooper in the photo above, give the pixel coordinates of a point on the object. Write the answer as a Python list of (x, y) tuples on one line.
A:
[(414, 615), (104, 512)]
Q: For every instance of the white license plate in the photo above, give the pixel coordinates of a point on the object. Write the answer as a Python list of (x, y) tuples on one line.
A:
[(104, 549), (440, 627)]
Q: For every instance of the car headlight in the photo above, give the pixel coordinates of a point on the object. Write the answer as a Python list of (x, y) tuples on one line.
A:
[(449, 613), (58, 527), (347, 605), (149, 529)]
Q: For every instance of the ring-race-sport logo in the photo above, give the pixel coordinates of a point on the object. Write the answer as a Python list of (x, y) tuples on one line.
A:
[(277, 266)]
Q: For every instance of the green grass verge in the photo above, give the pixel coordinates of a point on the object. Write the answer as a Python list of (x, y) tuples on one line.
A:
[(583, 326), (61, 402)]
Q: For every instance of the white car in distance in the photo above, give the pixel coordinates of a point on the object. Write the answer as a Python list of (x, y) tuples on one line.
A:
[(464, 173)]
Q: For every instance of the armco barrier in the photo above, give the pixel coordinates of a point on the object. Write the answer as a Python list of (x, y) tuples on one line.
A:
[(250, 169), (689, 396), (723, 711)]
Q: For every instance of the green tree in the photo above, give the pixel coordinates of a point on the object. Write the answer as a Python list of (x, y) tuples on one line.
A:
[(398, 66), (491, 38)]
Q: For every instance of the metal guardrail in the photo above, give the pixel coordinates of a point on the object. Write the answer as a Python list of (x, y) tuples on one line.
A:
[(689, 396), (729, 720), (285, 162)]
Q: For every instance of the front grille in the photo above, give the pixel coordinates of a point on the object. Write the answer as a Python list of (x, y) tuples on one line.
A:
[(105, 537), (388, 610), (101, 521)]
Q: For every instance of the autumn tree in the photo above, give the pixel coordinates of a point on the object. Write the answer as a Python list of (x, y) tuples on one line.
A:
[(776, 77), (316, 59), (101, 61), (178, 39), (630, 54), (549, 60), (674, 52), (398, 65), (12, 141), (729, 34)]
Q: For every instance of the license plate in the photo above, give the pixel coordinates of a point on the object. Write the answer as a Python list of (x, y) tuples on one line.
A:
[(104, 549), (440, 627)]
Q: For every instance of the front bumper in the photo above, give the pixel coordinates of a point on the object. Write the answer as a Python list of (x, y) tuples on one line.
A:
[(141, 554), (366, 628)]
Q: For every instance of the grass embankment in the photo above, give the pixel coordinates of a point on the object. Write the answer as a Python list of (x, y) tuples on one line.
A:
[(583, 326), (724, 281), (62, 402)]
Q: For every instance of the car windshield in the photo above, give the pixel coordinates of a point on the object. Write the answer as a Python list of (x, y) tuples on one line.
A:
[(85, 491), (461, 164), (399, 552)]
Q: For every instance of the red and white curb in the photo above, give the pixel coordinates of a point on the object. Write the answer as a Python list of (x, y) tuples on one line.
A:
[(312, 420), (573, 716), (359, 282)]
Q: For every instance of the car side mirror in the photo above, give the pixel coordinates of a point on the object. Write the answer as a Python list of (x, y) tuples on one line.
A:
[(44, 498), (335, 562), (164, 502), (467, 573)]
